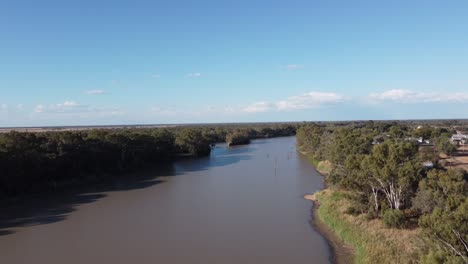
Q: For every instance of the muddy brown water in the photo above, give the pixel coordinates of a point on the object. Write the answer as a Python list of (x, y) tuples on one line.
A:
[(240, 205)]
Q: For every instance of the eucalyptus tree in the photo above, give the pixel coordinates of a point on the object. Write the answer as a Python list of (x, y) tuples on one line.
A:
[(394, 170)]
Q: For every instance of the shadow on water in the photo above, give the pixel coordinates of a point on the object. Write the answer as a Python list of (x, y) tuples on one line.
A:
[(259, 141), (52, 208), (5, 232)]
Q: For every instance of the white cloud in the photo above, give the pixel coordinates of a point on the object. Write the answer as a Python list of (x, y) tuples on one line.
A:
[(194, 74), (39, 108), (292, 67), (408, 96), (94, 92), (72, 109), (68, 104), (204, 111), (230, 110), (3, 107), (258, 107), (308, 101), (395, 95), (301, 102), (65, 107), (106, 111), (160, 111)]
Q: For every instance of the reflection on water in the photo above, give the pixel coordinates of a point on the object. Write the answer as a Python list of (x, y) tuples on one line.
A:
[(240, 205), (53, 208)]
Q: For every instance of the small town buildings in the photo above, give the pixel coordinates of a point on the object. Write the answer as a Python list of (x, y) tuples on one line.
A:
[(459, 139), (420, 140)]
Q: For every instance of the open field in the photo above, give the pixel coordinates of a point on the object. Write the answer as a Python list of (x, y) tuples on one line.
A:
[(459, 159)]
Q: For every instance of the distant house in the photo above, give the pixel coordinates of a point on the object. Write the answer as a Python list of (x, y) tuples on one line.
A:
[(428, 165), (411, 139), (459, 139), (419, 140)]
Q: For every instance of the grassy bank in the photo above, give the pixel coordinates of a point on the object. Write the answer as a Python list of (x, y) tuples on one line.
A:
[(370, 240), (324, 167)]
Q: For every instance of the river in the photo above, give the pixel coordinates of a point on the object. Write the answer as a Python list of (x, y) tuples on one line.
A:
[(239, 205)]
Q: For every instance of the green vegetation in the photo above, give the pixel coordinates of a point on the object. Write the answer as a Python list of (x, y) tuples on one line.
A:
[(371, 241), (444, 145), (380, 166), (46, 161), (237, 138), (394, 218)]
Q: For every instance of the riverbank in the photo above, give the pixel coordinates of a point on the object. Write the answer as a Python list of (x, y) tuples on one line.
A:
[(341, 252), (370, 240), (323, 167), (355, 239)]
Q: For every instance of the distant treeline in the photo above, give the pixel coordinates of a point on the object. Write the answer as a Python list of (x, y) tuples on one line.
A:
[(380, 164), (37, 162)]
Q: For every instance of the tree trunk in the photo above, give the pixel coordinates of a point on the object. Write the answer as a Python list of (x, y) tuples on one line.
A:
[(375, 193), (392, 193)]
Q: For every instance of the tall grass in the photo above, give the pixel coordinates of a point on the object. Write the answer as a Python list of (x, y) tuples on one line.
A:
[(371, 241), (323, 167)]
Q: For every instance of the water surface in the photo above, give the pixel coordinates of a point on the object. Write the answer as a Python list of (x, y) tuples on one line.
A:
[(240, 205)]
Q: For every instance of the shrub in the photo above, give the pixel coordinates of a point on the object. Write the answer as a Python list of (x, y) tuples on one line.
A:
[(371, 214), (394, 218), (352, 211), (237, 138)]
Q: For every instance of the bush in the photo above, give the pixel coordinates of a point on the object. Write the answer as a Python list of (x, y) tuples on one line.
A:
[(371, 214), (352, 211), (394, 218), (237, 138)]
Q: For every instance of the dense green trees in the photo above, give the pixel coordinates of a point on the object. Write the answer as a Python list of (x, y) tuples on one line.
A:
[(310, 136), (442, 189), (389, 173), (442, 196), (424, 132), (445, 146), (193, 142), (393, 168), (237, 138), (383, 170), (33, 162), (448, 235)]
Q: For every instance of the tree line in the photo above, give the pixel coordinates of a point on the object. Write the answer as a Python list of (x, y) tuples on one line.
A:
[(38, 162), (381, 168)]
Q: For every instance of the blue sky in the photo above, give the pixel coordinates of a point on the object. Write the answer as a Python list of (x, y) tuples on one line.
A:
[(125, 62)]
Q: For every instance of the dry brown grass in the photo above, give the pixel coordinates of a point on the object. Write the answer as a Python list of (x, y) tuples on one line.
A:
[(459, 160), (371, 240)]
